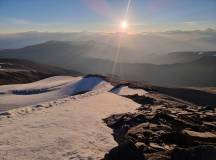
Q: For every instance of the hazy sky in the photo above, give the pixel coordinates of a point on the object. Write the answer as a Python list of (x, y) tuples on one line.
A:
[(105, 15)]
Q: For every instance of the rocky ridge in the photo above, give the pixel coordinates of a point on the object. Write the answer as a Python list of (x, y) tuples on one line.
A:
[(164, 128)]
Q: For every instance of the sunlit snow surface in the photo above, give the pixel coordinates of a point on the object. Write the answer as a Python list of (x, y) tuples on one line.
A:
[(125, 90), (68, 124), (12, 96)]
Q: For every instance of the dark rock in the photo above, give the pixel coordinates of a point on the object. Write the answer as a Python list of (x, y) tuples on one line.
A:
[(188, 138), (209, 107), (116, 121), (141, 146), (161, 124), (120, 134), (147, 132), (126, 151), (174, 121), (5, 114), (158, 156), (199, 136), (174, 138), (203, 152), (144, 100), (209, 118)]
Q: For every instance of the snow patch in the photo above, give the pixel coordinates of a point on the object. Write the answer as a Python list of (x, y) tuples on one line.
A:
[(89, 84), (125, 90), (72, 127), (73, 130), (13, 96)]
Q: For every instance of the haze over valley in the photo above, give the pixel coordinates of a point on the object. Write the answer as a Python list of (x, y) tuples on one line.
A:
[(179, 68)]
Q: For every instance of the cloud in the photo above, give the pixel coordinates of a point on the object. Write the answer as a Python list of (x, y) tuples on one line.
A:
[(21, 21), (142, 43), (207, 31), (190, 23)]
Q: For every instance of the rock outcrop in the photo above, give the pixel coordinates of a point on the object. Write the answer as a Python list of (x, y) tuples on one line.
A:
[(164, 128)]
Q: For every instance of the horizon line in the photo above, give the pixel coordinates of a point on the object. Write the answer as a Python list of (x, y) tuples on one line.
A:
[(114, 32)]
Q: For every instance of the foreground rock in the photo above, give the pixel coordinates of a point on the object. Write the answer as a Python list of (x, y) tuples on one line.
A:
[(202, 152), (164, 128)]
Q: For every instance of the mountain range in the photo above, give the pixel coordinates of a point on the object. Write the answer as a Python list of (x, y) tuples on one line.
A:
[(91, 57), (24, 71)]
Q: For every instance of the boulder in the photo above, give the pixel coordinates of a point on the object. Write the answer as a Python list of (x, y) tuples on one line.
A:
[(199, 136), (126, 151)]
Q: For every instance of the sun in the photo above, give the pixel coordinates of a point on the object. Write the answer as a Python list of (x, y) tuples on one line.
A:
[(124, 24)]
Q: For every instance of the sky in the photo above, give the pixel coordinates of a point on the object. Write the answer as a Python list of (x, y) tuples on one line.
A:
[(106, 15)]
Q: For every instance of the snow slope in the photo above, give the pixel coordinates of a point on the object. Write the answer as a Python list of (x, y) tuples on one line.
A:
[(13, 96), (62, 118), (71, 130)]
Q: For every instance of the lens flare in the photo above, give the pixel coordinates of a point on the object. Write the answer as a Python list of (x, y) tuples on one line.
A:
[(123, 26)]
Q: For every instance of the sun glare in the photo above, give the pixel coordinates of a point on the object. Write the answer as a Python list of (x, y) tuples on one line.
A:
[(124, 24)]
